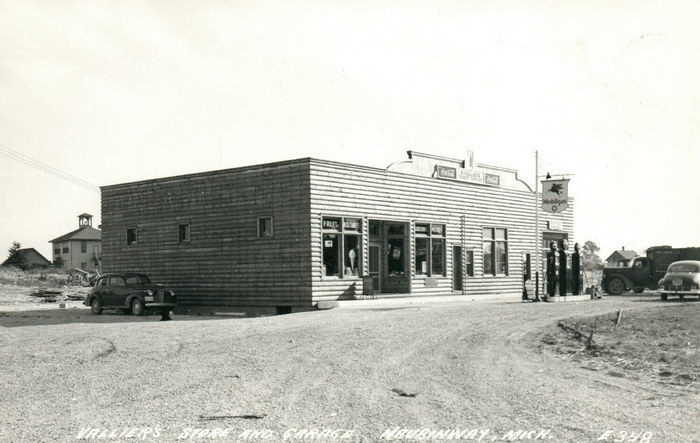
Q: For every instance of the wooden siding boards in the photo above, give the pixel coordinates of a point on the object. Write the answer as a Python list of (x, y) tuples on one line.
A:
[(345, 190), (224, 263)]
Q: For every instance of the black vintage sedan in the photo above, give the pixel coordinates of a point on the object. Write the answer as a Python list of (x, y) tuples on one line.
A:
[(131, 292), (682, 278)]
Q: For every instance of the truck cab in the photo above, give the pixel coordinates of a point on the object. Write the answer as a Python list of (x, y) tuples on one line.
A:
[(636, 276)]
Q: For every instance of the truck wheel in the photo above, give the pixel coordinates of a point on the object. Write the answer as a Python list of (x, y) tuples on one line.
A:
[(137, 307), (616, 286), (638, 290), (664, 297), (95, 306)]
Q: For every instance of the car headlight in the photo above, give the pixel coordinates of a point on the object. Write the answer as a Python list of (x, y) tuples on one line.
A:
[(172, 293), (149, 292)]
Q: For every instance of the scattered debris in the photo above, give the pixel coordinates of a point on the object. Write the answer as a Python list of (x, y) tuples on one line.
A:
[(619, 317), (403, 393)]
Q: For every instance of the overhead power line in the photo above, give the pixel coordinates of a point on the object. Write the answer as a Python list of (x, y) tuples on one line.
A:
[(15, 155)]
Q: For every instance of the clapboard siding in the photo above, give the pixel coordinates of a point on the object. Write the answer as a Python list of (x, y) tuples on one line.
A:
[(346, 190), (225, 263)]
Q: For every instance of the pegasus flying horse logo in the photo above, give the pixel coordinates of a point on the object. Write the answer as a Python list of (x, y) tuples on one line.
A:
[(556, 188)]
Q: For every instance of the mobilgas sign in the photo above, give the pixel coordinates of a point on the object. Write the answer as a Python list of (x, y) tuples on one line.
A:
[(467, 175), (555, 195)]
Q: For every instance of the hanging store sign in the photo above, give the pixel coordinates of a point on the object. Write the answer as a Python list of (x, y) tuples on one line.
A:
[(555, 195), (467, 175)]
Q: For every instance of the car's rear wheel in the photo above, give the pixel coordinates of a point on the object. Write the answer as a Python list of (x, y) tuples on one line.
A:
[(638, 290), (137, 307), (95, 306), (616, 286)]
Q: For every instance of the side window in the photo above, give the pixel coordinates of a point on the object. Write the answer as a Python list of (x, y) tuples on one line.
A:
[(183, 233), (116, 281), (133, 280), (131, 236), (264, 227), (103, 282)]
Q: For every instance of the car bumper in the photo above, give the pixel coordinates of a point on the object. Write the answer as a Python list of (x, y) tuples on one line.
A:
[(679, 291), (159, 305)]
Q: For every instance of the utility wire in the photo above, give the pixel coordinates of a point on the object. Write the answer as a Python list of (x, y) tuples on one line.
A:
[(15, 155)]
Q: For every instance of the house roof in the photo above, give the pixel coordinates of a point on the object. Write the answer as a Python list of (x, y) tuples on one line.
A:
[(82, 233), (622, 254), (30, 256)]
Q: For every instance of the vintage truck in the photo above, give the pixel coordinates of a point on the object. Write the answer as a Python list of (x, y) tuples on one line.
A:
[(645, 272)]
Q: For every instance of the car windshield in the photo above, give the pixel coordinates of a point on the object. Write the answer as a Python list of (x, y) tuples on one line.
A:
[(683, 267), (137, 280)]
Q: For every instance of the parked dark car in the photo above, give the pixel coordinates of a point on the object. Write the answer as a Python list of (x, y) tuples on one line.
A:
[(131, 292), (682, 278)]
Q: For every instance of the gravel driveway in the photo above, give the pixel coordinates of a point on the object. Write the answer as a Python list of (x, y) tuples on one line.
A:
[(363, 369)]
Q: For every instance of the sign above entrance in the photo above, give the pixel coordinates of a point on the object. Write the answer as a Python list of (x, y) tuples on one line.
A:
[(467, 175), (555, 195), (555, 225)]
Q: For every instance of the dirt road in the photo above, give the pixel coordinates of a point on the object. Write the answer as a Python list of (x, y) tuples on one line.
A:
[(471, 367)]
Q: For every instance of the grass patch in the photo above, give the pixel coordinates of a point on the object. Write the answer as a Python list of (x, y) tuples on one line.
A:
[(658, 343)]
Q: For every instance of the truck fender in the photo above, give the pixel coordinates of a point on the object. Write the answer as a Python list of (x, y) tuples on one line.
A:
[(628, 283)]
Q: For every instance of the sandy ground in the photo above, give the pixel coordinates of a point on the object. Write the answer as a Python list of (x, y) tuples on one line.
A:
[(364, 368)]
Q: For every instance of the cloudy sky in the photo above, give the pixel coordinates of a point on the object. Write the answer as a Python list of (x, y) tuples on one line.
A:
[(118, 91)]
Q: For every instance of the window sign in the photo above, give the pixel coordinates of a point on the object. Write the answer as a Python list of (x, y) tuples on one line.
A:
[(422, 229), (331, 223), (351, 224)]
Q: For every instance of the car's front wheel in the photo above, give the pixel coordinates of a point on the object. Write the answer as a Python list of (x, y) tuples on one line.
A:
[(137, 307), (95, 306), (616, 286), (638, 290), (664, 297)]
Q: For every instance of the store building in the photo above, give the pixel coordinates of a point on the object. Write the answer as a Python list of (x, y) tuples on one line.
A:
[(287, 235)]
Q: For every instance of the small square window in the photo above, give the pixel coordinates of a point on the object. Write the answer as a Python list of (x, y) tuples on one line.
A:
[(131, 236), (183, 233), (265, 227)]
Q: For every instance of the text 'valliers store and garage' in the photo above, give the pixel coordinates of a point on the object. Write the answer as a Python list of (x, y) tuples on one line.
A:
[(284, 236)]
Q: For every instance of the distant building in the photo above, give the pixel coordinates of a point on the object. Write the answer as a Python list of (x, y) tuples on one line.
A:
[(29, 258), (81, 248), (621, 258)]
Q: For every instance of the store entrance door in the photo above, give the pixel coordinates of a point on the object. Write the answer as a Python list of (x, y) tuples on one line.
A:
[(375, 266)]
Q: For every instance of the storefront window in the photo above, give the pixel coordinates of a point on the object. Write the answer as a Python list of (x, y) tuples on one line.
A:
[(342, 246), (352, 254), (421, 255), (437, 246), (495, 248), (430, 249), (331, 250)]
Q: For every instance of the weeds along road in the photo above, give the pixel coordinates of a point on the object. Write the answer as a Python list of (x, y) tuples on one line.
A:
[(471, 366)]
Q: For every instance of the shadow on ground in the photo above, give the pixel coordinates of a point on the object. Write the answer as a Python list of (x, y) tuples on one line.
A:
[(42, 317)]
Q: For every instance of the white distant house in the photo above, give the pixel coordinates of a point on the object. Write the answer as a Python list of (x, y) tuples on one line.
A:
[(620, 258), (81, 248)]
